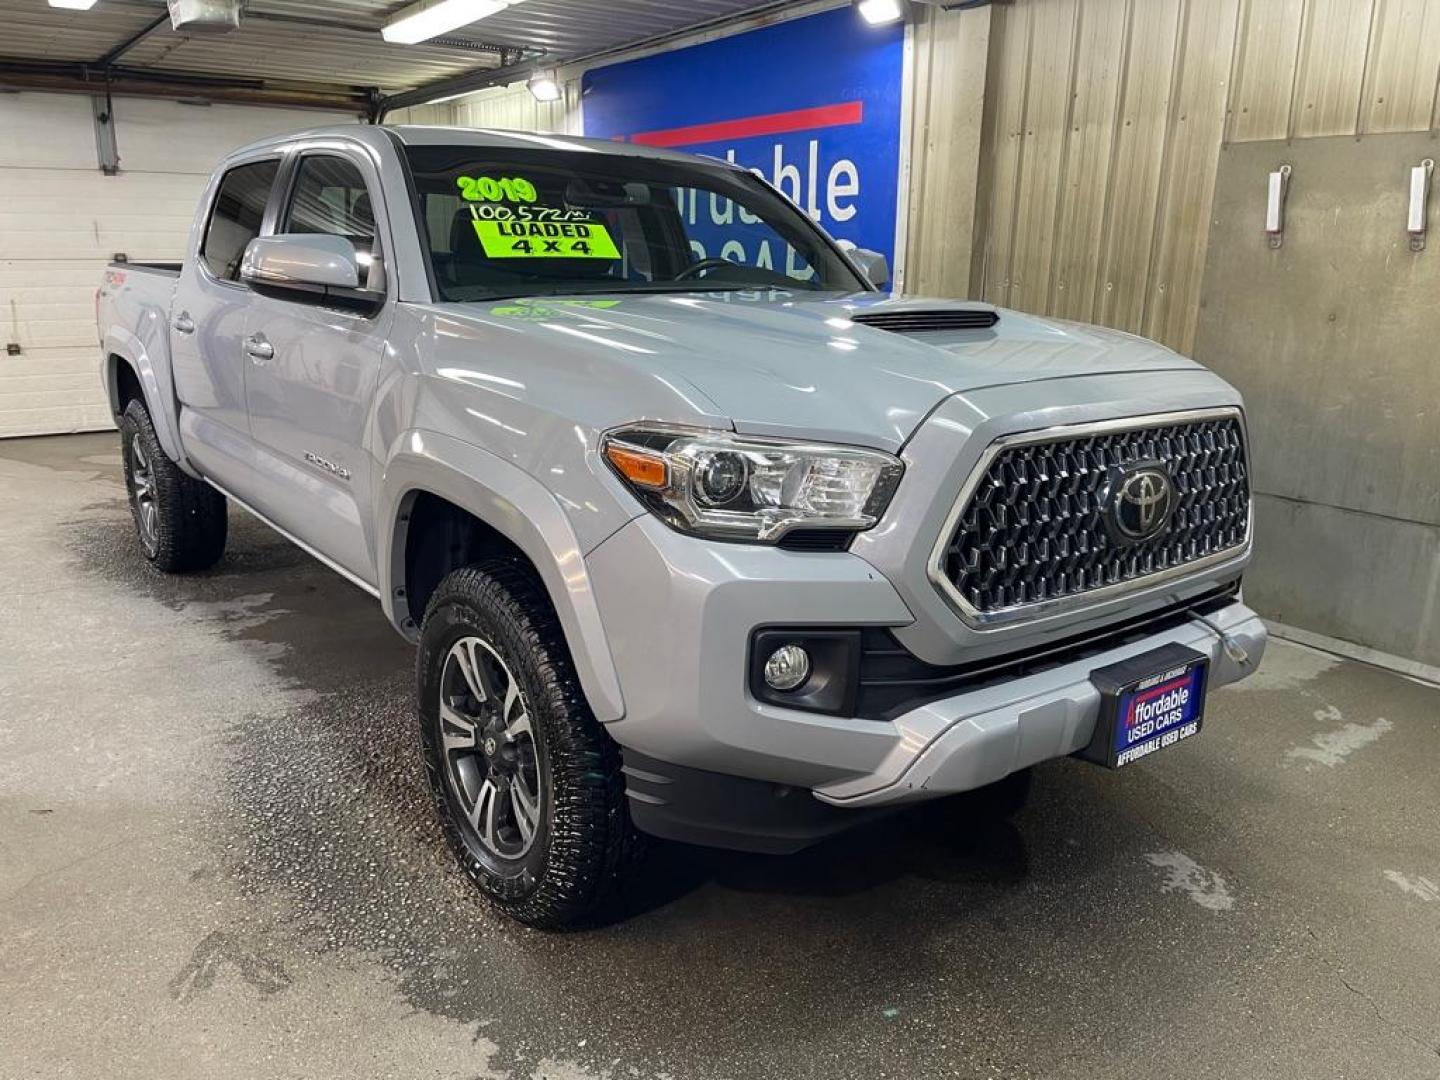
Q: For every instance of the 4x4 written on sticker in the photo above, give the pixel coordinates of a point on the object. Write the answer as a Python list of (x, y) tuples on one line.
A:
[(519, 239)]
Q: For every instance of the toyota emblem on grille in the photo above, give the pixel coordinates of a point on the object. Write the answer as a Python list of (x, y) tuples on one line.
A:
[(1141, 500)]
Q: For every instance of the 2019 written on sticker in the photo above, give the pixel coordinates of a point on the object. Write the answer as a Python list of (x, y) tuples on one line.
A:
[(496, 189), (568, 234)]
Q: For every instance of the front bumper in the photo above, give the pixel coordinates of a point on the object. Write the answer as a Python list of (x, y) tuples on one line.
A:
[(679, 614), (976, 738)]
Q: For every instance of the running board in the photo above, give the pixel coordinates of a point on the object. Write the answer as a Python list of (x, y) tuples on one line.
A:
[(358, 582)]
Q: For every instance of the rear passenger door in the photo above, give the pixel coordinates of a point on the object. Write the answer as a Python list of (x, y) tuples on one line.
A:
[(207, 324), (312, 369)]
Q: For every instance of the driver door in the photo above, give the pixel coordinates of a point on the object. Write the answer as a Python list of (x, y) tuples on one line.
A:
[(312, 372)]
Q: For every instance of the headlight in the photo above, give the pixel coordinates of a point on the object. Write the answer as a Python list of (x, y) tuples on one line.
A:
[(719, 485)]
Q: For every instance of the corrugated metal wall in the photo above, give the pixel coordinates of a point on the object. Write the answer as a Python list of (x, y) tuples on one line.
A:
[(947, 93), (1102, 124)]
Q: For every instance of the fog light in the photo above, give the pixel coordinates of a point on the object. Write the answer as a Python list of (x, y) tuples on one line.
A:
[(787, 668)]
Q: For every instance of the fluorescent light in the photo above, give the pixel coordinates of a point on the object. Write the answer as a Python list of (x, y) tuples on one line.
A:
[(73, 5), (544, 86), (425, 20), (876, 12)]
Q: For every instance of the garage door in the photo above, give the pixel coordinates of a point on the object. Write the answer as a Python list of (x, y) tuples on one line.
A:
[(61, 219)]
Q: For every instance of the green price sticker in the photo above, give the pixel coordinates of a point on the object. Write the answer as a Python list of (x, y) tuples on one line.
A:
[(496, 189), (548, 310), (545, 240)]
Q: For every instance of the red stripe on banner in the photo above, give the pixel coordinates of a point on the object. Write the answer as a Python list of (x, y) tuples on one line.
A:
[(822, 116)]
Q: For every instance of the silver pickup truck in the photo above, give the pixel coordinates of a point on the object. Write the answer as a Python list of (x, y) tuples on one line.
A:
[(699, 532)]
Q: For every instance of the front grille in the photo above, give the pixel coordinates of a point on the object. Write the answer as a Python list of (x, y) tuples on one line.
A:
[(1034, 527)]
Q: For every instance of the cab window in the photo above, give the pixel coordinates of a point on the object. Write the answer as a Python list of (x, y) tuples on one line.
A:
[(236, 216), (329, 196)]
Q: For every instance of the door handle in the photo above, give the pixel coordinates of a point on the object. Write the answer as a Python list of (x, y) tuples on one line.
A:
[(183, 323), (259, 349)]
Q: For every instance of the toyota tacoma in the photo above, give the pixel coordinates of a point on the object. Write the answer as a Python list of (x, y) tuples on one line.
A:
[(700, 532)]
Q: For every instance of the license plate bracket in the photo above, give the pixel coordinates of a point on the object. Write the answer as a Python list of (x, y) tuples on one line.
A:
[(1147, 703)]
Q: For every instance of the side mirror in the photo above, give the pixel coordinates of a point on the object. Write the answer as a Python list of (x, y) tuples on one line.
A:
[(872, 264), (316, 266)]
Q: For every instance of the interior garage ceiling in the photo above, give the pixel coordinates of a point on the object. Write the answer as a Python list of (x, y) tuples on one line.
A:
[(319, 51)]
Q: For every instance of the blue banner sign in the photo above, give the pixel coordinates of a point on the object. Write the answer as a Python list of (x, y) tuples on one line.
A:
[(812, 105)]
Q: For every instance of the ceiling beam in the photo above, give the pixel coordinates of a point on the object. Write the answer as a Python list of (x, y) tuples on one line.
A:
[(137, 82), (125, 45)]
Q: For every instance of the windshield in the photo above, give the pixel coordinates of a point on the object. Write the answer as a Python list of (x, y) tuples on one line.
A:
[(508, 223)]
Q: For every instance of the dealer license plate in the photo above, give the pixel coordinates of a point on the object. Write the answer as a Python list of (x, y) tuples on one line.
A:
[(1147, 703)]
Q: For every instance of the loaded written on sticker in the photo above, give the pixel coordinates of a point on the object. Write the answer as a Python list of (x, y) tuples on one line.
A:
[(517, 239)]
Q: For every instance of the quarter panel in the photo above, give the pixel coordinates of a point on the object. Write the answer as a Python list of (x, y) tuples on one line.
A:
[(518, 507), (533, 400), (149, 357)]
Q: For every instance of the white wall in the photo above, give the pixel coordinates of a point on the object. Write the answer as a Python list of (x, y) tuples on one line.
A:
[(515, 108), (61, 220)]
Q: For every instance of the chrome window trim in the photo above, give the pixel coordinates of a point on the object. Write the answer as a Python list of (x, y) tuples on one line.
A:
[(1015, 613)]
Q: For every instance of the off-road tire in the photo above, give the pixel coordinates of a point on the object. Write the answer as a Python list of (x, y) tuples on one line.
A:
[(189, 515), (584, 843)]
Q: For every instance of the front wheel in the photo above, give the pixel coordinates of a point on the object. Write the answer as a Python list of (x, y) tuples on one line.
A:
[(526, 783)]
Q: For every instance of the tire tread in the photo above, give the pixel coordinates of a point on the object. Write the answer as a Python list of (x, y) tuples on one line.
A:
[(591, 843), (193, 518)]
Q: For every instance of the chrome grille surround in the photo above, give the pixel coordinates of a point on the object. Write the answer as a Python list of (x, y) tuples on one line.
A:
[(1206, 451)]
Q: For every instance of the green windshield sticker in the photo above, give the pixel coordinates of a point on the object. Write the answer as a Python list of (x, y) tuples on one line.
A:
[(496, 189), (548, 310), (516, 239)]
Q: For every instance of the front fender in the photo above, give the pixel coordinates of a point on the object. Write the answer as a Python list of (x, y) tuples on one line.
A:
[(120, 344), (516, 505)]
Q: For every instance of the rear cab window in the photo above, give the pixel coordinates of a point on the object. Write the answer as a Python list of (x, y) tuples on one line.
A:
[(236, 216)]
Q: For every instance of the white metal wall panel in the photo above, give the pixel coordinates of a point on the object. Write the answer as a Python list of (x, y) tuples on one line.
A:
[(515, 108), (61, 220)]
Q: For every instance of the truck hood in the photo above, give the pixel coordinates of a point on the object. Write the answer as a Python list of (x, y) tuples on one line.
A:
[(792, 365)]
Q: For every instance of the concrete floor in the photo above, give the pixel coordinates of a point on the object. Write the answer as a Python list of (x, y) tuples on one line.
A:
[(217, 860)]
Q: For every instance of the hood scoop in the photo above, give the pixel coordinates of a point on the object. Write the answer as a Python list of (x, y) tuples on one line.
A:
[(921, 321)]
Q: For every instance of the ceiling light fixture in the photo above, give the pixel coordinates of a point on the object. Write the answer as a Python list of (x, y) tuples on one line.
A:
[(73, 5), (430, 18), (545, 86), (880, 12)]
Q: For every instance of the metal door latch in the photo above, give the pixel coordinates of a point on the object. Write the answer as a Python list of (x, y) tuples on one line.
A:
[(1275, 206), (1419, 195)]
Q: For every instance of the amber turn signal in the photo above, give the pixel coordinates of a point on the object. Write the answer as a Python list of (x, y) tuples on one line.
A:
[(646, 470)]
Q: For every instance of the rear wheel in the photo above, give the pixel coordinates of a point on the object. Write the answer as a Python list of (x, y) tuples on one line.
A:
[(180, 521), (526, 783)]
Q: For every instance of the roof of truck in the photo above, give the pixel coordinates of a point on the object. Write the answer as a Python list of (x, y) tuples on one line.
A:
[(490, 138)]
